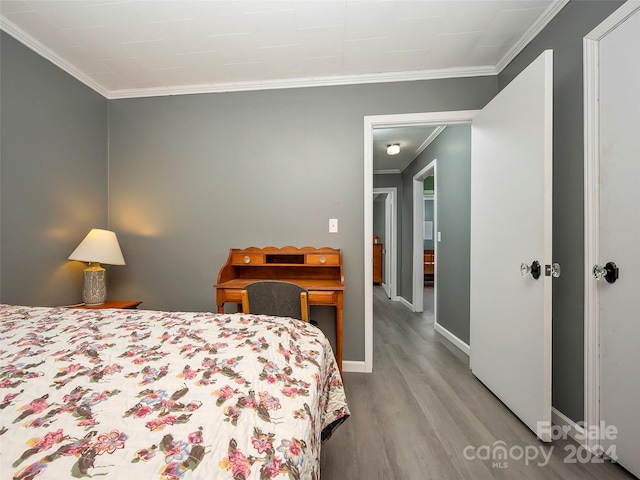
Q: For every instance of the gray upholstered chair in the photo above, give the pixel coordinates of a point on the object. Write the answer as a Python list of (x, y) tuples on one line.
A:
[(275, 297)]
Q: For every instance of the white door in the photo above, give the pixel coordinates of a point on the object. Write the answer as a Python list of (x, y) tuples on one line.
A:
[(619, 242), (511, 200)]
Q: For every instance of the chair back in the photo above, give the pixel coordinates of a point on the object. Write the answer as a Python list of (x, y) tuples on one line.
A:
[(276, 297)]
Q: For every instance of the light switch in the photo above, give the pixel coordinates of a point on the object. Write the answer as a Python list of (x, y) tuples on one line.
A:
[(439, 237), (333, 225)]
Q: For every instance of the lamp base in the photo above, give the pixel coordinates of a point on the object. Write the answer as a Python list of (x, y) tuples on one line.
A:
[(94, 291)]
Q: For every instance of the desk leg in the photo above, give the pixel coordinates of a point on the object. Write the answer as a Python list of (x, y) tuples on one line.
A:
[(220, 300), (339, 331)]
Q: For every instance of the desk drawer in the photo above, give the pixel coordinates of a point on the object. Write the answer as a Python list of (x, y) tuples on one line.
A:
[(247, 259), (323, 259), (230, 295), (319, 297)]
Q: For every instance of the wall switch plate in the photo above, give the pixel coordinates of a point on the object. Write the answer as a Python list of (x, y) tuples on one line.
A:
[(333, 225), (439, 237)]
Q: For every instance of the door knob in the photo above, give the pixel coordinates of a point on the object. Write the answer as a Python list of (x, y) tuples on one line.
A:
[(609, 272), (534, 269)]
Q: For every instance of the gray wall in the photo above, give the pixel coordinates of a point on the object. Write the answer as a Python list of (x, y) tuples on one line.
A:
[(53, 176), (379, 217), (564, 35), (452, 149), (192, 176)]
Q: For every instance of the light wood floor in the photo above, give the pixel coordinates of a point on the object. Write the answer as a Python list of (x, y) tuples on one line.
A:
[(422, 415)]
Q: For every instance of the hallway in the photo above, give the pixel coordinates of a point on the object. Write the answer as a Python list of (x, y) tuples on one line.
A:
[(422, 415)]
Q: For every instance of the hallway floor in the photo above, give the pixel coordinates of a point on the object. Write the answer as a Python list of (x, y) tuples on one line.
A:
[(422, 415)]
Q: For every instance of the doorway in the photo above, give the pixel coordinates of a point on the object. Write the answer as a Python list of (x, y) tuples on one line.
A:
[(419, 237), (382, 121), (390, 256)]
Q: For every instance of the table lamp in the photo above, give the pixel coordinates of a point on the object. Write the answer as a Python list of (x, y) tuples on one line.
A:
[(99, 246)]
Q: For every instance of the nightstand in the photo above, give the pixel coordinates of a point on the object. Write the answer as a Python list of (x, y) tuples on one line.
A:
[(127, 304)]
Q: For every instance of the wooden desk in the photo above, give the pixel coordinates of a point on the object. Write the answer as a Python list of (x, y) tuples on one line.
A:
[(319, 270)]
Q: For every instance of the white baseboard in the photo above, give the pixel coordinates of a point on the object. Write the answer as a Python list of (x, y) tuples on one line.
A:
[(575, 431), (353, 366), (466, 349), (406, 303)]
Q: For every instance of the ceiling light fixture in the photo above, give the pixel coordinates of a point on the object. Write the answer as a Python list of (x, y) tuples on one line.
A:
[(393, 149)]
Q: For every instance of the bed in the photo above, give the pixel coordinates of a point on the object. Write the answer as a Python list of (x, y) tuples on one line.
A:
[(141, 394)]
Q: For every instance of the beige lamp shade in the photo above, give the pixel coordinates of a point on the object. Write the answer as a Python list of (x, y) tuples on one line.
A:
[(99, 246)]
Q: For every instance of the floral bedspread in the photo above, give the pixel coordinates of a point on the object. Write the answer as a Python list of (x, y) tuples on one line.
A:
[(142, 395)]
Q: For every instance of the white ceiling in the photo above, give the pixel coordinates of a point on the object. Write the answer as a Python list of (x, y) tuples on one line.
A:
[(137, 48), (412, 141)]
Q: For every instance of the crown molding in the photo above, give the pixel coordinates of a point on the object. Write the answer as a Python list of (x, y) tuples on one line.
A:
[(339, 80), (304, 82), (30, 42), (551, 11), (439, 129)]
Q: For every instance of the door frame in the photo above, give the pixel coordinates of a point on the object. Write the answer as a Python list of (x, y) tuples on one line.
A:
[(382, 121), (418, 240), (591, 62), (391, 240)]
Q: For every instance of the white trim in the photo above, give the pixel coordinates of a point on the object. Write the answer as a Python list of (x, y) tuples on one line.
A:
[(391, 246), (405, 302), (439, 129), (418, 240), (612, 21), (330, 81), (464, 347), (591, 194), (409, 76), (575, 431), (378, 121), (454, 117), (368, 246), (480, 71), (530, 34), (354, 366), (421, 148), (591, 202), (42, 50)]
